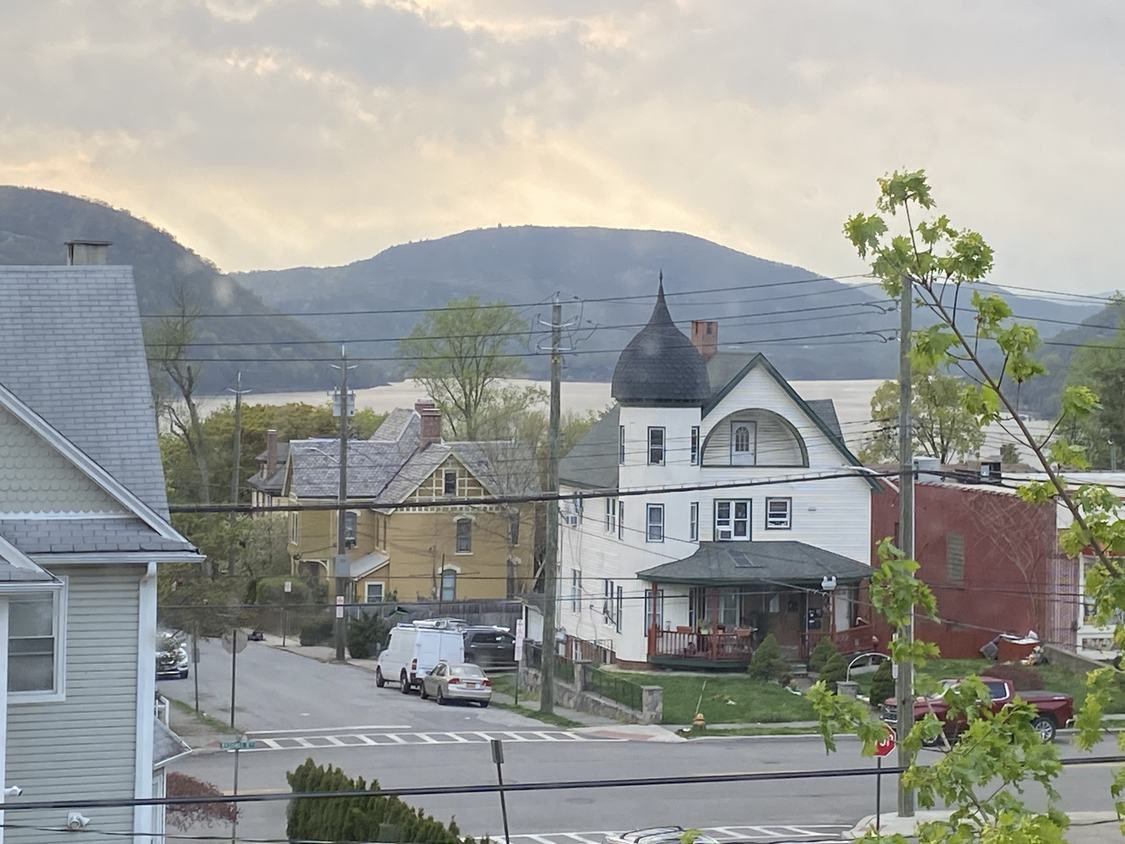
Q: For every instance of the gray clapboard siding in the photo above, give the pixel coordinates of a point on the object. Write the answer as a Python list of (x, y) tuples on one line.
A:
[(85, 746)]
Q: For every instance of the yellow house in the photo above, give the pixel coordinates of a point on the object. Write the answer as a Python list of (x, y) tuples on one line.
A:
[(402, 542)]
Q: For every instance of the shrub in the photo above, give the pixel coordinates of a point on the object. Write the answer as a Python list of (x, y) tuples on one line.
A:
[(1022, 678), (271, 590), (823, 651), (186, 815), (767, 663), (834, 670), (367, 635), (319, 632), (882, 683)]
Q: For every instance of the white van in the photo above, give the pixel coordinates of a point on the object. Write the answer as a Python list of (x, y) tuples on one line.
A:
[(413, 651)]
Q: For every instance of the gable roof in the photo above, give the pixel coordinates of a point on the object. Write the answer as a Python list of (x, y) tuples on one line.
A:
[(17, 569), (400, 422), (102, 482), (271, 484), (592, 462), (72, 350)]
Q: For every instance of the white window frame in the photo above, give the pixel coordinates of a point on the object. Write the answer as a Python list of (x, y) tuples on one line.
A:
[(659, 609), (656, 432), (295, 528), (695, 445), (576, 589), (611, 515), (729, 523), (351, 528), (620, 519), (367, 592), (456, 573), (59, 620), (621, 444), (778, 522), (749, 457), (693, 521), (652, 535), (609, 607), (463, 520)]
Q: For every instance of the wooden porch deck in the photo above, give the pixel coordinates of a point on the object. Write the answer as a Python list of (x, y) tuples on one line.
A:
[(685, 648)]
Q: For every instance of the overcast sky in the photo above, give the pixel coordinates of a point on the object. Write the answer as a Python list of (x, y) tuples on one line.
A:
[(271, 133)]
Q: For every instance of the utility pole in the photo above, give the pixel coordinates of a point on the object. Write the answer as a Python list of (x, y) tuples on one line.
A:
[(551, 558), (341, 567), (904, 687), (235, 473)]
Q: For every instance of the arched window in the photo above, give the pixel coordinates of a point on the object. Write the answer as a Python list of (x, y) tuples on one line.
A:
[(742, 443), (742, 438), (449, 585)]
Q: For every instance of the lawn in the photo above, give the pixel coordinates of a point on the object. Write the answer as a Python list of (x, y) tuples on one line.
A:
[(727, 699), (1055, 679)]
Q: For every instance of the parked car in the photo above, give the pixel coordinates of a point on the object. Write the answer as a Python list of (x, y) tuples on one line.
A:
[(491, 646), (412, 652), (1054, 709), (172, 659), (453, 681), (656, 835)]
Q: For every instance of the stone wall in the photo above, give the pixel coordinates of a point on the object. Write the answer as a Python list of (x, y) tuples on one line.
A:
[(577, 696), (1070, 660)]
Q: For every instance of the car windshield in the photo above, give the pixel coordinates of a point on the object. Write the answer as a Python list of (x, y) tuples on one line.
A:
[(466, 671)]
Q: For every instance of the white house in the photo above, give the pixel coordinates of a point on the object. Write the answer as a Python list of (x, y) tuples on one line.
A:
[(83, 526), (725, 507)]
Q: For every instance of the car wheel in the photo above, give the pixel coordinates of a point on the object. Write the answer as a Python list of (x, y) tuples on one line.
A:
[(1045, 726), (440, 697), (484, 704), (422, 691), (379, 681), (404, 683)]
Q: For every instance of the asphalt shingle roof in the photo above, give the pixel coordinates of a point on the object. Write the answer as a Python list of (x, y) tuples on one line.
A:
[(782, 563), (592, 463), (74, 536), (166, 745)]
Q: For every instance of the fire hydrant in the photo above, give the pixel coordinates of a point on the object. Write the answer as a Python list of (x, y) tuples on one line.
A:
[(699, 722)]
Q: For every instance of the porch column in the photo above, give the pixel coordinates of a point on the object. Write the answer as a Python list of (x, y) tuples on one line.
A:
[(712, 645), (653, 630)]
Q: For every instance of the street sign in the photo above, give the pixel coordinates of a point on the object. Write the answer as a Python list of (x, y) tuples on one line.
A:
[(884, 747), (339, 606), (233, 643), (520, 632), (237, 745)]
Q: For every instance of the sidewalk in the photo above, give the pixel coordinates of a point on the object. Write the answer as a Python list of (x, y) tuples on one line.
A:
[(1085, 827)]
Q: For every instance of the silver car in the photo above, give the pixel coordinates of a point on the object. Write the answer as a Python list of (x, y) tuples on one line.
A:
[(453, 681)]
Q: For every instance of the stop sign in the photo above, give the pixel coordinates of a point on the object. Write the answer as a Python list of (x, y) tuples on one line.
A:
[(884, 747)]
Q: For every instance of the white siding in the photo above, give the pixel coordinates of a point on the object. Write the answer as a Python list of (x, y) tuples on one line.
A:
[(85, 746)]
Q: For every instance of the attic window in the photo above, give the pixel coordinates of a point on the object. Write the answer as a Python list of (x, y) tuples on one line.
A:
[(449, 482)]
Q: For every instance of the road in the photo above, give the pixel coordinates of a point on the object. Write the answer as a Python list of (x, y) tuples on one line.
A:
[(334, 714)]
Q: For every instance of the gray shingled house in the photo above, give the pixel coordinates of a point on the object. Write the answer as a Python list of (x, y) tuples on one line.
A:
[(83, 526)]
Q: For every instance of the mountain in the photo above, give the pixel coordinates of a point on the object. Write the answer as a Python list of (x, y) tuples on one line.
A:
[(778, 309), (34, 224)]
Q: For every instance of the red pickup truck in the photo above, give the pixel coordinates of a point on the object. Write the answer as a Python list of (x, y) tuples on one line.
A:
[(1054, 710)]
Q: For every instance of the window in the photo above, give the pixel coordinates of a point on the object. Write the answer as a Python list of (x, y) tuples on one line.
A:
[(350, 519), (449, 482), (743, 443), (621, 444), (611, 515), (655, 446), (779, 513), (609, 606), (694, 445), (955, 558), (575, 589), (620, 605), (294, 528), (732, 520), (514, 529), (374, 593), (729, 600), (464, 536), (449, 584), (659, 609), (654, 523), (35, 649), (620, 519), (693, 521)]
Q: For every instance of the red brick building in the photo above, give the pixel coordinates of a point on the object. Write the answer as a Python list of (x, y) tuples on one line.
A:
[(985, 553)]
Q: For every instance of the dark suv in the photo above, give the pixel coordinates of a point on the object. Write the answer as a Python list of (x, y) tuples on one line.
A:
[(490, 646)]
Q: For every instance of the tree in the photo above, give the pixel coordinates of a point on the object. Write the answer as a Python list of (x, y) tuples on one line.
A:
[(943, 428), (1009, 453), (460, 353), (940, 263), (1100, 365), (767, 663)]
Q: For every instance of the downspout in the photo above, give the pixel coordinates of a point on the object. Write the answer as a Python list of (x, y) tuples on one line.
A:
[(3, 707), (144, 816)]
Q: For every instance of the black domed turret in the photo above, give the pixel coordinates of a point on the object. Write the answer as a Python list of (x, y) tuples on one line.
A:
[(660, 366)]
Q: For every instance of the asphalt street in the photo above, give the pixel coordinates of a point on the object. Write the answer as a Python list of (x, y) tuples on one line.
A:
[(342, 719)]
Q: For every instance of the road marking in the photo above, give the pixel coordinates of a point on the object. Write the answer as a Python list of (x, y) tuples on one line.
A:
[(722, 834), (370, 728), (424, 739)]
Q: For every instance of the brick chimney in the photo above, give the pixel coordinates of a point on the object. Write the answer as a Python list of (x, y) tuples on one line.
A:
[(87, 252), (705, 337), (271, 452), (431, 423)]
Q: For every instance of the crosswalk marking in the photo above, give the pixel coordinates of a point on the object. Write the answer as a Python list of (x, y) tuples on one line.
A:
[(722, 834), (421, 739)]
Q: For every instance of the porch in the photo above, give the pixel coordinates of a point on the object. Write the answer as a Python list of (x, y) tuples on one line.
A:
[(737, 593)]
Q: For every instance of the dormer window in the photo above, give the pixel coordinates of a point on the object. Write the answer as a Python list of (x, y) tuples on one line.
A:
[(449, 482), (743, 443)]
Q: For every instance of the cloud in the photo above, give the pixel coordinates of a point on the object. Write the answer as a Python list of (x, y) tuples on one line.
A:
[(268, 133)]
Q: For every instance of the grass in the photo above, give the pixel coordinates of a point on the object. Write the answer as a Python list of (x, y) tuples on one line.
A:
[(728, 699), (201, 717), (506, 684), (1055, 679)]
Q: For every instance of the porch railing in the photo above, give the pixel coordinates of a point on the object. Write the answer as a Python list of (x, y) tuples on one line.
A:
[(730, 646), (850, 641)]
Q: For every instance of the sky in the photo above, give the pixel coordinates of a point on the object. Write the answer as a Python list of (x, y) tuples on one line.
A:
[(273, 133)]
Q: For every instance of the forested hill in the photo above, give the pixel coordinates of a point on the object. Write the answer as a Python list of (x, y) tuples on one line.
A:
[(34, 224), (810, 327)]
